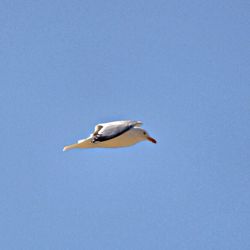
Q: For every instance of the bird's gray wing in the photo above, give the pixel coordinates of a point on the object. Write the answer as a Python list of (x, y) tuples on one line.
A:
[(113, 129), (98, 127)]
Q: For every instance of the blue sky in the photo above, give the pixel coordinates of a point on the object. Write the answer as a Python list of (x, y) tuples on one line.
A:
[(181, 67)]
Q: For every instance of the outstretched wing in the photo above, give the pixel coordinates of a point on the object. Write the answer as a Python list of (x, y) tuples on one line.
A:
[(108, 131)]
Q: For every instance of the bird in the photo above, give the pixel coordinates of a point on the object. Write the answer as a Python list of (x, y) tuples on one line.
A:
[(114, 135)]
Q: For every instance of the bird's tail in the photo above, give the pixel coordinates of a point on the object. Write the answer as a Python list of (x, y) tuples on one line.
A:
[(71, 146)]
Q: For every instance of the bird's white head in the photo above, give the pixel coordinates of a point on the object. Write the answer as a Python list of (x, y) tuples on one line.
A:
[(143, 135)]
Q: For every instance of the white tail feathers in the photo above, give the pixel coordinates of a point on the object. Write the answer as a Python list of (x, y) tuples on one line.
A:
[(82, 140), (84, 143), (71, 146)]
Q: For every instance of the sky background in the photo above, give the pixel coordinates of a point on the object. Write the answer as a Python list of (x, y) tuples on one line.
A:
[(181, 67)]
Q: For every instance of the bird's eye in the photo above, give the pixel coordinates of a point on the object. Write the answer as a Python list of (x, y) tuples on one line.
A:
[(144, 133)]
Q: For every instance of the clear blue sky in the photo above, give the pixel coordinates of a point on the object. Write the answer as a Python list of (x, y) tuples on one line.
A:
[(181, 67)]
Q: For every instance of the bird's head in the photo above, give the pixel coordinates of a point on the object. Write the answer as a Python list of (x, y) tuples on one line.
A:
[(145, 136)]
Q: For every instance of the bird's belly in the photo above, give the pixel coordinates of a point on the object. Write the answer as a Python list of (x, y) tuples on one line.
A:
[(123, 140)]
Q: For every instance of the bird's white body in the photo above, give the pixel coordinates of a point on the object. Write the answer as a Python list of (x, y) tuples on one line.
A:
[(130, 137)]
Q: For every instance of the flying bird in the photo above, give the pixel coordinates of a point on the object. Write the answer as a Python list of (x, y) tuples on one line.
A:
[(113, 135)]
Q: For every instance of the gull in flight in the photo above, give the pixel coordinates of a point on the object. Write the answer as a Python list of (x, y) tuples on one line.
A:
[(113, 135)]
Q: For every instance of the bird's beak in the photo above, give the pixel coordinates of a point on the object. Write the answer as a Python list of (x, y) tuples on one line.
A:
[(151, 139)]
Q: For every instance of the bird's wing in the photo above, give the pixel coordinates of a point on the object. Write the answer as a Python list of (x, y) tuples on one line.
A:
[(98, 127), (107, 131)]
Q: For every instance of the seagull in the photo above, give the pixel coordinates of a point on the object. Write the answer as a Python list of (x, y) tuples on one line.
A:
[(113, 135)]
